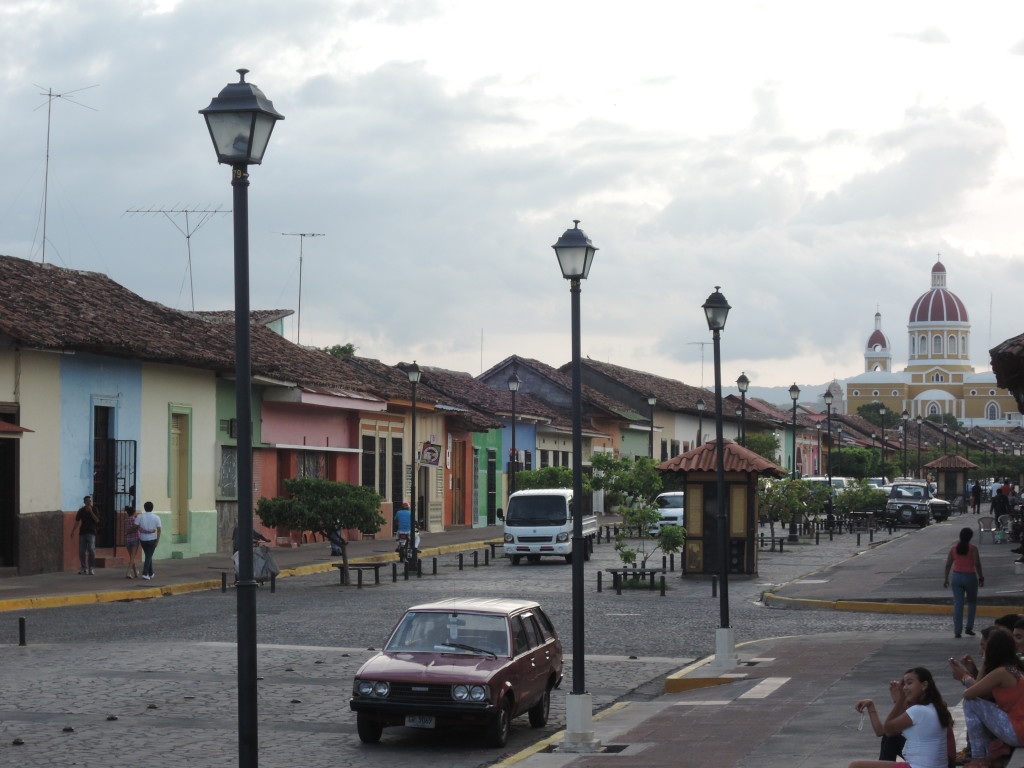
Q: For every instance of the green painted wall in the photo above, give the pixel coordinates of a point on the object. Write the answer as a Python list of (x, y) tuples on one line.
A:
[(482, 442), (635, 443)]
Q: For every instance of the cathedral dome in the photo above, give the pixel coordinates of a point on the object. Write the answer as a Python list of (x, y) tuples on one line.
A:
[(938, 305)]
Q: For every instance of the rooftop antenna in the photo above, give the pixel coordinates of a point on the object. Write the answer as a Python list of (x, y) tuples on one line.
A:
[(702, 345), (302, 238), (205, 214), (50, 96)]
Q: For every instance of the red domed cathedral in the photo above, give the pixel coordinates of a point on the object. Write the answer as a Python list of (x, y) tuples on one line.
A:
[(938, 377)]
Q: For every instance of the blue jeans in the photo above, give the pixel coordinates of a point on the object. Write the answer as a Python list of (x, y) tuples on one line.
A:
[(986, 721), (87, 550), (965, 587), (148, 548)]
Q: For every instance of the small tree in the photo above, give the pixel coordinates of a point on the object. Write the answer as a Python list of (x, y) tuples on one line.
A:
[(860, 496), (642, 517), (545, 477), (324, 506), (340, 350), (764, 444), (625, 480), (781, 500)]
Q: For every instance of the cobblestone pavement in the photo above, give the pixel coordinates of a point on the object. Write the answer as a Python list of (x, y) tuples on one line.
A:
[(165, 668)]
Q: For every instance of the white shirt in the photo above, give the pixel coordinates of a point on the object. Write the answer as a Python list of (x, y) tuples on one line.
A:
[(149, 524), (926, 738)]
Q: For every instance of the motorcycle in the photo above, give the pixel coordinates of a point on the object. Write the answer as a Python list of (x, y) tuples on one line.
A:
[(406, 552)]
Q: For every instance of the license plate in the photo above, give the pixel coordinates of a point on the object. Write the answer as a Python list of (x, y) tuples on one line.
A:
[(419, 721)]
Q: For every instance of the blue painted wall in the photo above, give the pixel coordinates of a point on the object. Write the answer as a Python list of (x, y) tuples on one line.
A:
[(87, 381)]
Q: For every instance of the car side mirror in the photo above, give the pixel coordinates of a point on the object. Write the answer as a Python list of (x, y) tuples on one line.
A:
[(499, 513)]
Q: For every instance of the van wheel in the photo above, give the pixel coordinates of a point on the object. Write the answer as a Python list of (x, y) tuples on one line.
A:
[(568, 558), (514, 559)]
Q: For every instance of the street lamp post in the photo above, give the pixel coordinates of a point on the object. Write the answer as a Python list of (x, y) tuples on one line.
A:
[(739, 422), (839, 443), (575, 254), (967, 444), (415, 374), (919, 421), (700, 421), (945, 434), (651, 401), (716, 310), (744, 384), (827, 397), (881, 414), (817, 429), (240, 120), (794, 394), (905, 416), (514, 383)]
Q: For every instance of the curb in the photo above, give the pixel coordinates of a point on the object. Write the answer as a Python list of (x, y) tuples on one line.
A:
[(148, 593), (865, 606)]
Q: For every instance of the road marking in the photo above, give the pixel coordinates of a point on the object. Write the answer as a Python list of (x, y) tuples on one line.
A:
[(765, 688)]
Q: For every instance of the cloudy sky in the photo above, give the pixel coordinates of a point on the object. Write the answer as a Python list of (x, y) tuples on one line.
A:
[(812, 158)]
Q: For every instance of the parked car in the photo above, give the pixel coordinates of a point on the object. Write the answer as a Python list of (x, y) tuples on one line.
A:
[(461, 662), (671, 505), (911, 502), (839, 484)]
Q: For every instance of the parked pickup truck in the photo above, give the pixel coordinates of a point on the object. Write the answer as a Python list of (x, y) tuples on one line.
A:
[(539, 523)]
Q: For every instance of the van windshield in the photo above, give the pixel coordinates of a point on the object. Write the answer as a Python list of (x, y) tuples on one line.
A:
[(536, 510)]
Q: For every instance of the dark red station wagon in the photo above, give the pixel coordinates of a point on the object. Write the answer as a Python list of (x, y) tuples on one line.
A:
[(461, 662)]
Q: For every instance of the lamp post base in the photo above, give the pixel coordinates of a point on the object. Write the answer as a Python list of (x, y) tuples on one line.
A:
[(579, 725), (725, 649)]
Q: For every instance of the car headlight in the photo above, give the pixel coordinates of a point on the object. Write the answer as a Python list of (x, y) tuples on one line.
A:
[(381, 689), (563, 536), (477, 693), (364, 687), (509, 538), (463, 692), (460, 692)]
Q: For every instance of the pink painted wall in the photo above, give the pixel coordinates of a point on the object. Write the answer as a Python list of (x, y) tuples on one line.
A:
[(288, 424)]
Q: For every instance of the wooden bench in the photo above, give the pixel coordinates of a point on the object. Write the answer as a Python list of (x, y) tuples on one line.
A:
[(359, 568), (619, 574)]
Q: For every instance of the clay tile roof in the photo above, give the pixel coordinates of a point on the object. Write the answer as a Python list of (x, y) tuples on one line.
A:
[(463, 387), (672, 395), (563, 379), (736, 459), (951, 461)]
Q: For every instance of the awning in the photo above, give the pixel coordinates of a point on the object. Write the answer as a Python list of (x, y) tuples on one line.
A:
[(12, 430)]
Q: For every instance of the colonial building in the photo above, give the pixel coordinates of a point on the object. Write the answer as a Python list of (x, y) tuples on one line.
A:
[(939, 377)]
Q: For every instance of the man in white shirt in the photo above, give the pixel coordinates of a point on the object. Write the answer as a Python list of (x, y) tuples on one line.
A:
[(149, 537)]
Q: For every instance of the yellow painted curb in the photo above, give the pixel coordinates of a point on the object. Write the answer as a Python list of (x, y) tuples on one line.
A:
[(991, 611), (545, 743), (146, 593)]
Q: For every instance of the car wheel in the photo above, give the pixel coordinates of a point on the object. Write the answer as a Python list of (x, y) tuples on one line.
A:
[(568, 558), (539, 711), (533, 558), (514, 559), (498, 729), (369, 730)]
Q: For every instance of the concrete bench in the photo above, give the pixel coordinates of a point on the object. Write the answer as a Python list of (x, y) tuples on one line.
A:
[(359, 568), (620, 574)]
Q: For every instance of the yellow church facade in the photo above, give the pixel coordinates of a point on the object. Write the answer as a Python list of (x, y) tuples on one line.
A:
[(939, 377)]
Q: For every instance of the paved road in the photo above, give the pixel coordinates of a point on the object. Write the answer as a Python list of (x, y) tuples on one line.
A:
[(165, 667)]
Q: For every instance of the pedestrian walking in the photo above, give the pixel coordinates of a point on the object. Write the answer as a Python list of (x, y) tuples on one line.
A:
[(131, 541), (976, 497), (149, 537), (87, 525), (965, 563)]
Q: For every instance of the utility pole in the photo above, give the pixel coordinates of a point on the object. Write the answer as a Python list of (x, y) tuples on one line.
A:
[(302, 238)]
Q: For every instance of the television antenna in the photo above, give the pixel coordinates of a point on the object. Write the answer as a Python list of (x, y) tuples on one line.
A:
[(50, 96), (702, 345), (190, 228), (302, 238)]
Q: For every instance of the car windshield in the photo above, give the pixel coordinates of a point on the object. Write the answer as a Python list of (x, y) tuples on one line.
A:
[(536, 510), (670, 501), (907, 492), (436, 632)]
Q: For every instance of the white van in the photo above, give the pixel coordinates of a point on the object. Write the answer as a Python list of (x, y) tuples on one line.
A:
[(538, 523)]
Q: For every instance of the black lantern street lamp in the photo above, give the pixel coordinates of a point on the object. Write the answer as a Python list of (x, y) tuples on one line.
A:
[(794, 394), (743, 383), (839, 448), (575, 254), (919, 421), (415, 374), (651, 401), (881, 415), (514, 383), (739, 421), (240, 120), (905, 417), (827, 397), (716, 310), (700, 421)]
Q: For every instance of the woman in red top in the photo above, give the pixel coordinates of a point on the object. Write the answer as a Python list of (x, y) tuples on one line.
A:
[(1002, 718), (967, 577)]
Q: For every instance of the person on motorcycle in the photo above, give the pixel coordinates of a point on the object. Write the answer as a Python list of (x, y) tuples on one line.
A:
[(403, 525)]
